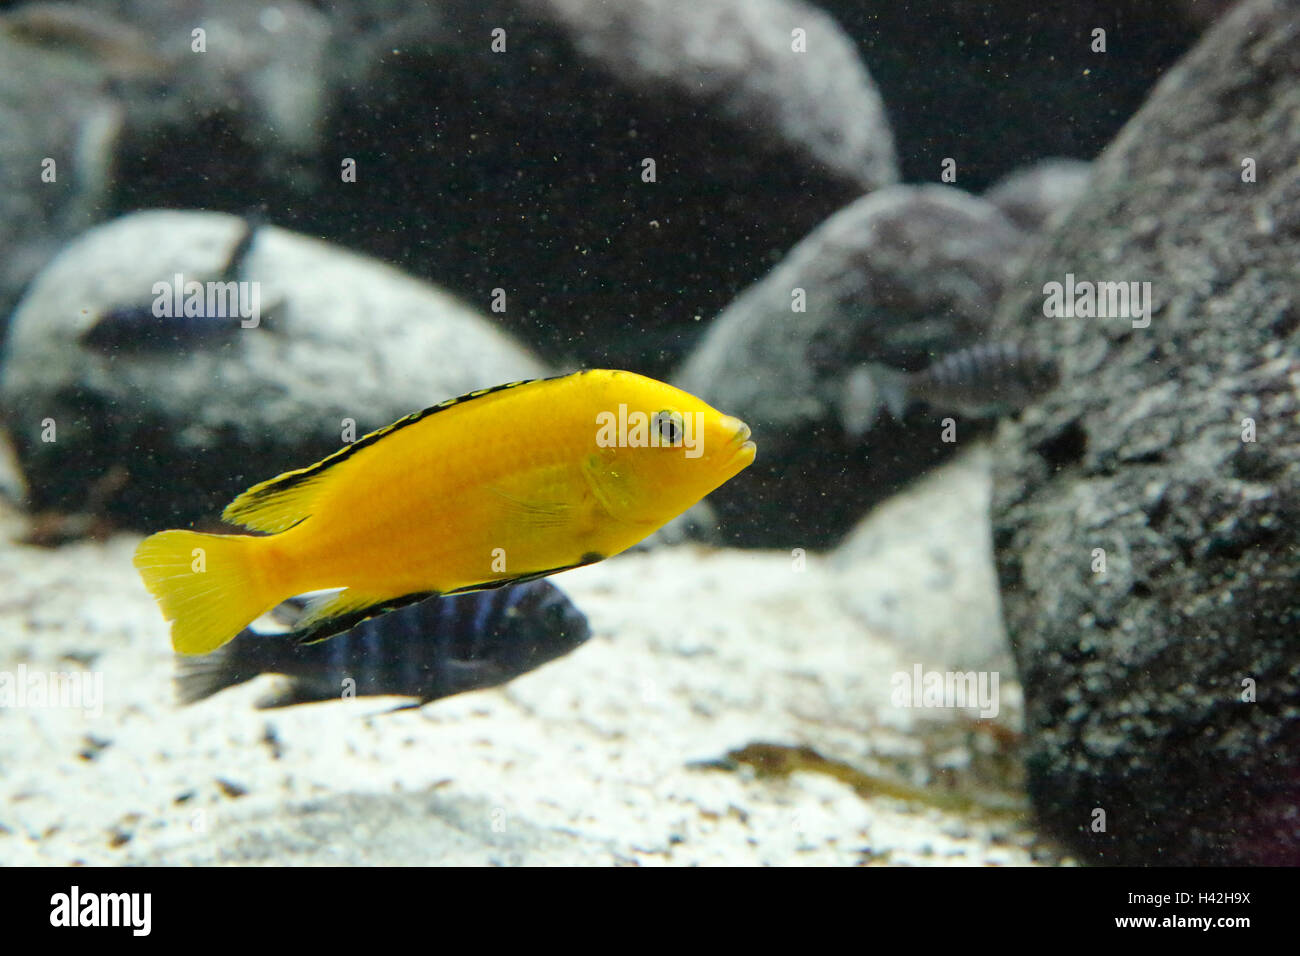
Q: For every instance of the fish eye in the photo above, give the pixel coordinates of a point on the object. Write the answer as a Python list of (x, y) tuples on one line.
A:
[(668, 425)]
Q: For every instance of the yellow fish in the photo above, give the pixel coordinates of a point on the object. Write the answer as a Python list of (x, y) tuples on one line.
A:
[(499, 486)]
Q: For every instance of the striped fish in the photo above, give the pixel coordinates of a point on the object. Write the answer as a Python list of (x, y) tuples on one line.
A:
[(135, 329), (438, 647), (989, 379)]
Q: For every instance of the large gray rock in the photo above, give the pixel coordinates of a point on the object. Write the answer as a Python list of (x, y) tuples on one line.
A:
[(899, 277), (342, 337), (1135, 678)]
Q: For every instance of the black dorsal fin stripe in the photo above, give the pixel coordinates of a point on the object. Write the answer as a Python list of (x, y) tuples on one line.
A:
[(292, 479)]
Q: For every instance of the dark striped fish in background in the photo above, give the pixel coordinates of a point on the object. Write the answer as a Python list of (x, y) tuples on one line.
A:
[(981, 381), (134, 327), (438, 647)]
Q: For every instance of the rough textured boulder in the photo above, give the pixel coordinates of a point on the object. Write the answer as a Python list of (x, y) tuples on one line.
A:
[(898, 277), (342, 338), (1166, 690)]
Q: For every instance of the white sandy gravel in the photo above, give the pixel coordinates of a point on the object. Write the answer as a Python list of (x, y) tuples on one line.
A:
[(593, 759)]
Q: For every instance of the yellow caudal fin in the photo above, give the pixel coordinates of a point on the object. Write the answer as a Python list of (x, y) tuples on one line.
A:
[(205, 584)]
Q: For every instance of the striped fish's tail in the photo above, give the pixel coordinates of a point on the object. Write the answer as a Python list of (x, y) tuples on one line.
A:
[(200, 677), (205, 584)]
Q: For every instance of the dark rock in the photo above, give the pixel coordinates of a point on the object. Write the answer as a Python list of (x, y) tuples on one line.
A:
[(1134, 678), (1033, 196), (898, 277), (195, 420)]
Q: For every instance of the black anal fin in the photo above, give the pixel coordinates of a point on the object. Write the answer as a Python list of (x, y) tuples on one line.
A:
[(323, 629), (591, 557)]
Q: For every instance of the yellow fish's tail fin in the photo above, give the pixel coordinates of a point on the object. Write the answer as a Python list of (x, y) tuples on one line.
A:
[(207, 585)]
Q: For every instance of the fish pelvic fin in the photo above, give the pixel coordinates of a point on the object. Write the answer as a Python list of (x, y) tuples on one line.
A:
[(206, 585)]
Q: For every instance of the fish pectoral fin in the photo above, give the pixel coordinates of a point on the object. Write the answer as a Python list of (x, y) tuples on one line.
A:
[(334, 615), (535, 513)]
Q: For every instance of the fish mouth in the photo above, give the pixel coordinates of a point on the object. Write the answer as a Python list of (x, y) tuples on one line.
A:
[(744, 449)]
